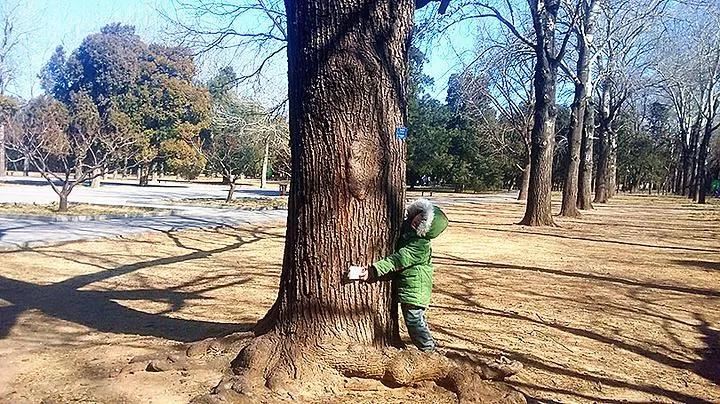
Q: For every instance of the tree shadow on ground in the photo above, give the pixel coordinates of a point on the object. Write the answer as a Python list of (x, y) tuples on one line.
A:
[(538, 233), (448, 259), (710, 265), (69, 299), (542, 364), (707, 367)]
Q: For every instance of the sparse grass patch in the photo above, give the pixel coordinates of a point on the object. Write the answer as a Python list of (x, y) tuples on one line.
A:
[(239, 203), (75, 209)]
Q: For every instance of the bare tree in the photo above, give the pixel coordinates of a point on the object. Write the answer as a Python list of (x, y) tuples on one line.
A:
[(578, 137), (11, 37), (624, 64), (60, 143), (709, 102), (504, 72), (240, 142), (687, 66), (550, 23), (219, 29)]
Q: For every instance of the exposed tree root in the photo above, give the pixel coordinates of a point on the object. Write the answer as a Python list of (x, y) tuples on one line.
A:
[(271, 368)]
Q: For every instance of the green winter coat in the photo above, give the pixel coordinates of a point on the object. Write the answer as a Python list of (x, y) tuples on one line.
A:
[(412, 259)]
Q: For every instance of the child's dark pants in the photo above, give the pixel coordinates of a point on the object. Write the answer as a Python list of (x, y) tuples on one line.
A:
[(417, 327)]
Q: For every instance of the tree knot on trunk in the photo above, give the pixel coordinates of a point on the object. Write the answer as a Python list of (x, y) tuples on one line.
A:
[(363, 167)]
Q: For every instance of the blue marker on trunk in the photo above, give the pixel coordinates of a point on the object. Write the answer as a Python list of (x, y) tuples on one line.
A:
[(401, 132)]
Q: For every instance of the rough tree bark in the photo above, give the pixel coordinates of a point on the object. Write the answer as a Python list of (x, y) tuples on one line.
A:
[(586, 159), (538, 210), (603, 146)]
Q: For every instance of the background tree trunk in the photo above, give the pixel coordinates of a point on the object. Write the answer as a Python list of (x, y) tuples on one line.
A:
[(601, 195), (143, 175), (577, 120), (692, 171), (586, 159), (611, 182), (231, 192), (684, 163), (3, 162), (63, 207), (538, 210), (702, 178), (26, 166), (266, 157), (96, 179), (525, 181)]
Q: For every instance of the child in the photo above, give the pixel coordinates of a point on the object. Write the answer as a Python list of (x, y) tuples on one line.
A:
[(413, 268)]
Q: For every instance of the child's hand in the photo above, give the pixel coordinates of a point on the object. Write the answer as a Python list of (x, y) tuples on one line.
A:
[(364, 274), (358, 273)]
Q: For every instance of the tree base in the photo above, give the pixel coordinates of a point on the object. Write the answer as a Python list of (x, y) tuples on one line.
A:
[(274, 368), (537, 221), (570, 212)]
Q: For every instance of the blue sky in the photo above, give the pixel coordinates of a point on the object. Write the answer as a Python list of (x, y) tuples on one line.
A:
[(50, 23)]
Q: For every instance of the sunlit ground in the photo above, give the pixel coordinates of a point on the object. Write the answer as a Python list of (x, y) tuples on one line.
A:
[(619, 305)]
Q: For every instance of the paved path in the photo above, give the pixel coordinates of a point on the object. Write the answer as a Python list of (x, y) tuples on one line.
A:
[(18, 233), (23, 233), (121, 192), (26, 233)]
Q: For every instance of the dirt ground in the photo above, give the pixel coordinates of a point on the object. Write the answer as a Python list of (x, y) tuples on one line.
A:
[(620, 305)]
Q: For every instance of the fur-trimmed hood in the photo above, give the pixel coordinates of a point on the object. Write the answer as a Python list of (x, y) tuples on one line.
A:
[(433, 220)]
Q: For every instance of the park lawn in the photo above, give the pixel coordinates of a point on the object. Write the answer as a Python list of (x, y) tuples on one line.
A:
[(74, 209), (238, 203), (619, 305)]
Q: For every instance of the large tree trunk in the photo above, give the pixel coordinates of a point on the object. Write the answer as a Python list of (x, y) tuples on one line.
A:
[(266, 157), (26, 166), (347, 77), (346, 59), (586, 159), (3, 162), (538, 210)]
